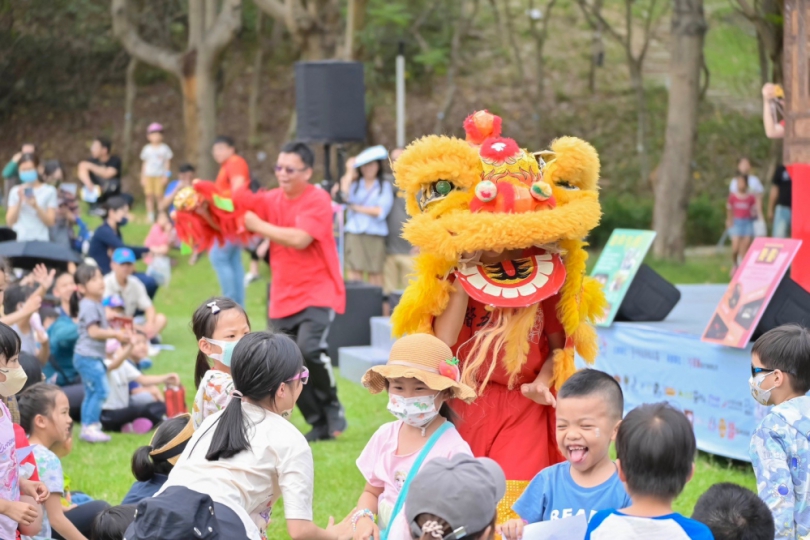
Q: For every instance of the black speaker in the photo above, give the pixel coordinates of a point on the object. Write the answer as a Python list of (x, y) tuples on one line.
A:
[(393, 299), (330, 101), (650, 297), (790, 304), (353, 328)]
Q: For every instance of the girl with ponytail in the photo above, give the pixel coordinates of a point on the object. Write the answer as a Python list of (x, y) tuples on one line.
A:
[(218, 324), (152, 464), (249, 455)]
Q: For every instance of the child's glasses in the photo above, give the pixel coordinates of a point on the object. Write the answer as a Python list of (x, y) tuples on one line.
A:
[(757, 370), (303, 377)]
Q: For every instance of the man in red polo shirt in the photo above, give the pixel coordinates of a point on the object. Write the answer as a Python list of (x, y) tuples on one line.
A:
[(226, 259), (307, 287)]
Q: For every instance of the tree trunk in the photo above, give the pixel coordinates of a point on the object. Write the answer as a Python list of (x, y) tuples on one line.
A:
[(673, 189), (597, 47), (207, 112), (255, 84), (637, 82), (129, 105), (191, 119), (355, 22)]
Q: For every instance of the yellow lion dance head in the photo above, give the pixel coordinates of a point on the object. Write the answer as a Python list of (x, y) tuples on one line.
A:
[(468, 200)]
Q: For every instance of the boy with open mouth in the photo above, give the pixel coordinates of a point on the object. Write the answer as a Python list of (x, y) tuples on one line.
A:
[(589, 411)]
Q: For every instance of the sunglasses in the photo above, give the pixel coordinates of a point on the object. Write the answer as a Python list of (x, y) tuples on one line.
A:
[(303, 377), (757, 370), (289, 170)]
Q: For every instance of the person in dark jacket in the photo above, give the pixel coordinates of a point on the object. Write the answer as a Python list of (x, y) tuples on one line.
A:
[(107, 238)]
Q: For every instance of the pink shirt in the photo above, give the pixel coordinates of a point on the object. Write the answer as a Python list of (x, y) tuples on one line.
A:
[(383, 468), (9, 471), (742, 206), (157, 237)]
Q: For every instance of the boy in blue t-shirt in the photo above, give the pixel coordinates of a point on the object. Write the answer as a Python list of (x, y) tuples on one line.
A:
[(589, 410), (655, 450)]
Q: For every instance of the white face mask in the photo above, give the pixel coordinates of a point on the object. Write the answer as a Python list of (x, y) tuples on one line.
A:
[(418, 412), (15, 380), (761, 396)]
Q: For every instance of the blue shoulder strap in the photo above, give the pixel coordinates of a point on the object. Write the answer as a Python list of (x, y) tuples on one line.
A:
[(403, 493)]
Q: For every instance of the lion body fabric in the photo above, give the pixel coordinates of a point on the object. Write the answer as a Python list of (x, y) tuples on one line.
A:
[(470, 197)]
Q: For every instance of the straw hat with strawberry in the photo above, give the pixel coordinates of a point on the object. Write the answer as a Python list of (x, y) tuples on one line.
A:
[(424, 357)]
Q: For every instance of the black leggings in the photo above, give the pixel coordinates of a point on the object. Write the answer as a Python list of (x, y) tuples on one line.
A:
[(114, 420), (83, 516)]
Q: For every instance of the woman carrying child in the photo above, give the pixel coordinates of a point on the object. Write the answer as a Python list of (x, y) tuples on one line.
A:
[(249, 455), (91, 348), (152, 464), (420, 376), (218, 324)]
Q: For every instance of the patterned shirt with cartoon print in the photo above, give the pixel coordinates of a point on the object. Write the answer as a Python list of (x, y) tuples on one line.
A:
[(779, 453), (213, 395)]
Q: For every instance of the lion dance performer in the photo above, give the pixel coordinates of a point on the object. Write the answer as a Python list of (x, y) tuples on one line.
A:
[(501, 279)]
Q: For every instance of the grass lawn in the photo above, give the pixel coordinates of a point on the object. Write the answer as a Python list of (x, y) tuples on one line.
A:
[(103, 470)]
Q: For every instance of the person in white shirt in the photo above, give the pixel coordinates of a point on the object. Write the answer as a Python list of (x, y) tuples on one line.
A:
[(32, 204), (754, 184), (121, 282), (156, 167), (249, 455)]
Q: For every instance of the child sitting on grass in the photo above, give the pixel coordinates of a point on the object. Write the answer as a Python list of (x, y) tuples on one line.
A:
[(589, 409), (780, 376), (420, 376), (655, 450), (218, 324), (734, 513), (45, 416), (152, 464), (112, 523), (159, 241), (120, 412)]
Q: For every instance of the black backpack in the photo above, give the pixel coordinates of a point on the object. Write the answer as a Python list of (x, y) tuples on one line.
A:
[(179, 514)]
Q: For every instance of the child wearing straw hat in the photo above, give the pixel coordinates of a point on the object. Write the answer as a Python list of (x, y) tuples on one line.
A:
[(421, 376)]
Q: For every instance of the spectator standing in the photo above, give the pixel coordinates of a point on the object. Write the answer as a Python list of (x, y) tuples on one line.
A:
[(742, 209), (67, 212), (234, 174), (107, 238), (780, 202), (307, 287), (755, 186), (399, 252), (101, 175), (185, 176), (369, 198), (156, 167), (122, 282), (32, 204), (10, 178)]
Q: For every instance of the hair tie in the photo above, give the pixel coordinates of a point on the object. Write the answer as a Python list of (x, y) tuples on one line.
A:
[(236, 394), (214, 307), (433, 529)]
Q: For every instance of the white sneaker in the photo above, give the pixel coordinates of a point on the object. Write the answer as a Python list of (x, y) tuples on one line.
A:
[(250, 278)]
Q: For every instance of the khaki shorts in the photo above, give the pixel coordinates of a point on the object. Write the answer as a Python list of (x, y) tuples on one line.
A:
[(397, 269), (365, 253), (154, 185)]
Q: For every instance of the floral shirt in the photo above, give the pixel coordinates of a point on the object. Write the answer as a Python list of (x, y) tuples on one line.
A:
[(50, 473), (213, 395), (9, 470), (780, 454)]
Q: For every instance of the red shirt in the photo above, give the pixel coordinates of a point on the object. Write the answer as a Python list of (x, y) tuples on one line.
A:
[(232, 167), (742, 205), (308, 277), (477, 318), (22, 444)]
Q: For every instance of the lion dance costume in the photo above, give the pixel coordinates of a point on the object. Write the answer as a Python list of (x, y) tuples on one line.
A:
[(204, 215), (487, 195)]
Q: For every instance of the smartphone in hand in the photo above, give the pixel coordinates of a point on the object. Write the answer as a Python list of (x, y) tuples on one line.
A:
[(29, 192)]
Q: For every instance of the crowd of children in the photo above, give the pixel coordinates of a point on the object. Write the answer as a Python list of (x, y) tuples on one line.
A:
[(225, 465)]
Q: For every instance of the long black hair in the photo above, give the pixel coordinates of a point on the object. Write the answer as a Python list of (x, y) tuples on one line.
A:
[(36, 400), (265, 362), (84, 273), (10, 343), (204, 324), (144, 466), (380, 177)]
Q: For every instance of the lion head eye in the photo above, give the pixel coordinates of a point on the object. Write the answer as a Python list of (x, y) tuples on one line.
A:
[(565, 184), (433, 192)]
